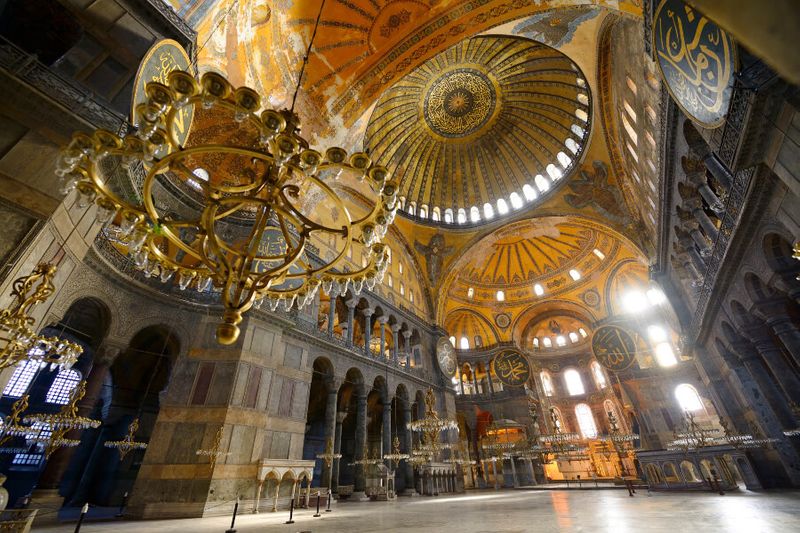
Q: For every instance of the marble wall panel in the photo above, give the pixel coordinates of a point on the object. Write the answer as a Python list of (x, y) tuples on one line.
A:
[(275, 394), (181, 380), (221, 384), (263, 391), (242, 375), (293, 356), (299, 400), (185, 440), (280, 445)]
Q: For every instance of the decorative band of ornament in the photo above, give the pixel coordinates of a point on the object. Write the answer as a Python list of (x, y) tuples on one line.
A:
[(261, 188)]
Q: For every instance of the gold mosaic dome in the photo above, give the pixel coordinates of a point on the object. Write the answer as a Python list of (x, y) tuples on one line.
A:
[(482, 129)]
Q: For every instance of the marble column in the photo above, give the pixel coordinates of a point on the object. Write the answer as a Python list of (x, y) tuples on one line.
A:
[(351, 311), (387, 429), (460, 381), (475, 379), (773, 357), (700, 240), (514, 479), (382, 321), (407, 346), (331, 315), (330, 430), (409, 468), (688, 245), (337, 446), (705, 222), (361, 441), (488, 364), (396, 340), (368, 312), (777, 317), (756, 368)]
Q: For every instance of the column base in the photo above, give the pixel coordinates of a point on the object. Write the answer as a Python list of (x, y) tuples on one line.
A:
[(49, 502), (408, 494), (358, 496)]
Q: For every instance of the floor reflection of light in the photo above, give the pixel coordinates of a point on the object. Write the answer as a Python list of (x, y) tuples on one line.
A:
[(560, 501), (461, 499)]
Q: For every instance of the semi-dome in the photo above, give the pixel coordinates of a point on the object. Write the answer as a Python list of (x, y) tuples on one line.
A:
[(481, 130)]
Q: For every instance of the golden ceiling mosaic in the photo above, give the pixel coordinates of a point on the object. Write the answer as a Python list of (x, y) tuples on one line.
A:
[(482, 129)]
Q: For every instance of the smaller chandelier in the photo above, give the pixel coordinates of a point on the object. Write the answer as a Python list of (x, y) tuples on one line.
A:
[(129, 443), (368, 460), (67, 418), (329, 456), (18, 340), (215, 452), (396, 454), (12, 425)]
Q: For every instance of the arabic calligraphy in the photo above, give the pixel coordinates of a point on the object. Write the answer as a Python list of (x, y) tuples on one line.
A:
[(163, 57), (697, 59), (511, 368), (613, 347)]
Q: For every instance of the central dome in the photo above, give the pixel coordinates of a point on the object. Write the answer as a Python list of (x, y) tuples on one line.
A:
[(481, 130)]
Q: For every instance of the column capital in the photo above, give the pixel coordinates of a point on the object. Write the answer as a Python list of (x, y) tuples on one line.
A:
[(395, 328), (368, 311), (351, 302), (407, 333), (340, 416), (107, 353), (383, 319)]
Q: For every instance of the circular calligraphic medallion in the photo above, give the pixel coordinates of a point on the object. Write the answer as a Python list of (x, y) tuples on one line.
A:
[(511, 368), (459, 102), (613, 347), (503, 320), (163, 57), (697, 60), (446, 357)]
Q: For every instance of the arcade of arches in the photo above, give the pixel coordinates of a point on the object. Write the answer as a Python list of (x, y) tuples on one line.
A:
[(592, 274)]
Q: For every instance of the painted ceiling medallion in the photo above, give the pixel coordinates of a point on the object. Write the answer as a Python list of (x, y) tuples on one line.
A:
[(481, 129), (459, 103)]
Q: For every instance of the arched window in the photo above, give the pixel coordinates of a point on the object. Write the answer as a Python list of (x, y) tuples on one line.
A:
[(538, 290), (577, 130), (478, 341), (402, 289), (581, 114), (435, 216), (464, 343), (573, 337), (547, 342), (502, 206), (411, 296), (488, 211), (584, 99), (564, 159), (688, 399), (561, 341), (535, 342), (448, 216), (608, 407), (423, 211), (583, 332), (462, 215), (585, 421), (62, 387), (574, 274), (412, 208), (474, 214), (470, 293), (529, 192), (21, 379), (389, 281), (571, 145), (453, 340), (516, 201), (541, 183), (664, 355), (547, 383), (501, 296), (554, 172), (574, 382), (599, 377)]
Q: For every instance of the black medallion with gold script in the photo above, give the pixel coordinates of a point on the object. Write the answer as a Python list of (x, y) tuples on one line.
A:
[(697, 59), (613, 347), (163, 57), (511, 368)]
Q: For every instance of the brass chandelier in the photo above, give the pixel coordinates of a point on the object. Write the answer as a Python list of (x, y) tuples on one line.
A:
[(255, 198), (18, 338), (430, 428)]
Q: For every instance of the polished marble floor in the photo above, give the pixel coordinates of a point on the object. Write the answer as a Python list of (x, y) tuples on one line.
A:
[(514, 511)]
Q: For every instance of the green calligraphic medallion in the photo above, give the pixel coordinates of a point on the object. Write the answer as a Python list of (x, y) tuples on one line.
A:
[(163, 57), (511, 368), (697, 60), (613, 347)]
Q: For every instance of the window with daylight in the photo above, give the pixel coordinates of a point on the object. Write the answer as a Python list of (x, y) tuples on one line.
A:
[(547, 342), (571, 145), (574, 274), (573, 337), (535, 342), (600, 255), (470, 293), (561, 341), (547, 383), (599, 377), (435, 214), (538, 290), (453, 340), (478, 341), (528, 192), (585, 421), (502, 206), (574, 382), (464, 343), (583, 332), (411, 296), (423, 211), (564, 159), (516, 201), (400, 266), (474, 214), (688, 399), (402, 289), (448, 216), (62, 387), (389, 281), (541, 183), (501, 296), (462, 215), (554, 172), (21, 379), (488, 211)]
